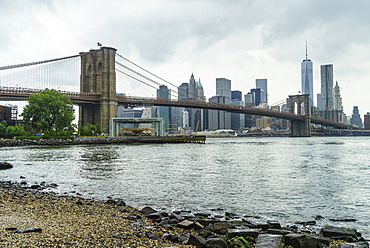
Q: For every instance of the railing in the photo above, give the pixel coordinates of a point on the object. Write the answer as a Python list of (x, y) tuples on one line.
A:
[(24, 93)]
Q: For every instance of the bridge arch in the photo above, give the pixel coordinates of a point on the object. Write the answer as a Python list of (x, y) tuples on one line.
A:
[(299, 104)]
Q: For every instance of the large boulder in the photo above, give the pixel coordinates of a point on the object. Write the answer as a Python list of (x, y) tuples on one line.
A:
[(5, 165)]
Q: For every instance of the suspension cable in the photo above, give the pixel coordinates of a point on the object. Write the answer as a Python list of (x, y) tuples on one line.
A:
[(35, 63), (132, 77)]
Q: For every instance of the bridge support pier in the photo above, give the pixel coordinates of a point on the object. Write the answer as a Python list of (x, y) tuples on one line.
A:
[(299, 104), (98, 75)]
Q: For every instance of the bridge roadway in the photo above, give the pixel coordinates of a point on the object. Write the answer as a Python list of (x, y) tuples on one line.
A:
[(19, 94)]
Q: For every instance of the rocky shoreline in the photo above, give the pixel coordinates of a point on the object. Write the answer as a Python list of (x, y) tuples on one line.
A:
[(32, 217), (101, 141)]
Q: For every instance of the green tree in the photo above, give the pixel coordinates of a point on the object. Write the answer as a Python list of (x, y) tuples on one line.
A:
[(49, 110), (89, 130)]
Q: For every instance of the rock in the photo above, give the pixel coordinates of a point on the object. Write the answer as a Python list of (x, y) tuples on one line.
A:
[(154, 216), (148, 210), (231, 233), (314, 241), (343, 220), (186, 224), (216, 243), (278, 231), (151, 235), (120, 235), (274, 224), (35, 186), (11, 228), (296, 240), (221, 227), (28, 230), (205, 233), (269, 241), (120, 202), (312, 222), (331, 231), (355, 245), (171, 237), (196, 241), (5, 165)]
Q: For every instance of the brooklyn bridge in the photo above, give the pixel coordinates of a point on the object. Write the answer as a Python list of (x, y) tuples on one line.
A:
[(93, 79)]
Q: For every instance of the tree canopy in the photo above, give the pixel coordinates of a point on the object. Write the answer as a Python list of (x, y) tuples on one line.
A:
[(49, 110)]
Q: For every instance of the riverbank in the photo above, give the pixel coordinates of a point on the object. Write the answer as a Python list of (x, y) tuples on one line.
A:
[(102, 141), (31, 217)]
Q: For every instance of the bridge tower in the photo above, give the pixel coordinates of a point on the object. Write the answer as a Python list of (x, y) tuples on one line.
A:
[(299, 104), (98, 75)]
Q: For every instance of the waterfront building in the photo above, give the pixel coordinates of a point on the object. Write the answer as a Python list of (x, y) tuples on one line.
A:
[(5, 113), (164, 112), (262, 85), (264, 122), (327, 96), (337, 98), (307, 77), (356, 118)]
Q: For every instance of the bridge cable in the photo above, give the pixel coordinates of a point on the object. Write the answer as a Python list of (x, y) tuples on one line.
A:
[(147, 72), (35, 63), (145, 77), (132, 77)]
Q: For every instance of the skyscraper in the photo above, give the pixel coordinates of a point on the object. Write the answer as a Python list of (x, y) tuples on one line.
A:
[(164, 112), (327, 96), (223, 87), (337, 98), (307, 78), (356, 118), (262, 84)]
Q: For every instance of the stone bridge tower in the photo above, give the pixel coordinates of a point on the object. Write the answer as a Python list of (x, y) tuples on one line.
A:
[(299, 104), (98, 75)]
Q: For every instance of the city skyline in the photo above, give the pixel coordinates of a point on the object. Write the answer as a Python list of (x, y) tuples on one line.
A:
[(228, 40)]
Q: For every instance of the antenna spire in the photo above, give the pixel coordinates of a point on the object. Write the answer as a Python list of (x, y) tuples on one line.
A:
[(306, 51)]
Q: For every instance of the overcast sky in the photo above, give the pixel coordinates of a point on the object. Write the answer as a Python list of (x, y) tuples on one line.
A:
[(240, 40)]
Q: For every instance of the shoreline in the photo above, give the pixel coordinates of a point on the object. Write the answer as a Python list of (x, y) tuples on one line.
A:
[(102, 141), (72, 221)]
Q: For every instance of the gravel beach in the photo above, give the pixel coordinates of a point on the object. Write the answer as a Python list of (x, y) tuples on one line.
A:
[(30, 218)]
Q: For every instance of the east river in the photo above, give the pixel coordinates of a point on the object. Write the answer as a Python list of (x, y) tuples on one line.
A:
[(286, 179)]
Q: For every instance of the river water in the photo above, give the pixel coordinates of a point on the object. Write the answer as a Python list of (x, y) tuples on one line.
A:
[(285, 179)]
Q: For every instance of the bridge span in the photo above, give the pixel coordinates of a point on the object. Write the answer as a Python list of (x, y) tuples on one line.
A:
[(22, 94)]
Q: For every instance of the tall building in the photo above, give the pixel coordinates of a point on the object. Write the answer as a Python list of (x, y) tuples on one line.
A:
[(164, 112), (327, 96), (307, 77), (237, 120), (262, 84), (236, 95), (249, 98), (257, 96), (367, 121), (356, 119), (192, 91), (218, 119), (223, 87), (319, 100), (337, 98)]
